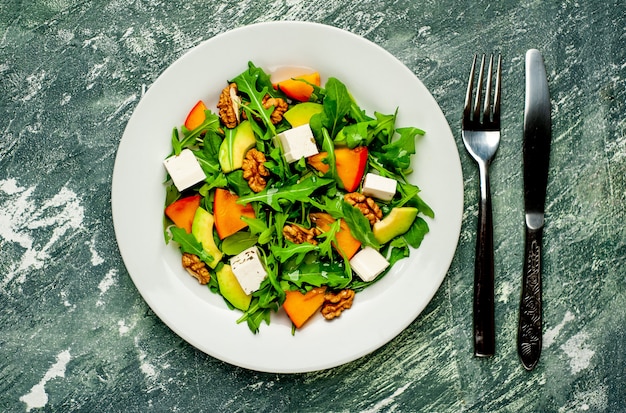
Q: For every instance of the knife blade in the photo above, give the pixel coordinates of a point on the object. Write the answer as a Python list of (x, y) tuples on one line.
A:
[(536, 157)]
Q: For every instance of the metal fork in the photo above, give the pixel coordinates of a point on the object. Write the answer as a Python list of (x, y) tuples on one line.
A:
[(481, 136)]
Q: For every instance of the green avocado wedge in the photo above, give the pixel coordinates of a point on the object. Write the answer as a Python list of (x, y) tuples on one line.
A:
[(202, 230), (397, 222), (233, 149), (301, 113), (230, 288)]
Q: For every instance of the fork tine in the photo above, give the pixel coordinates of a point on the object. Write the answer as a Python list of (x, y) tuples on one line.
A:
[(487, 107), (496, 103), (479, 90), (467, 108)]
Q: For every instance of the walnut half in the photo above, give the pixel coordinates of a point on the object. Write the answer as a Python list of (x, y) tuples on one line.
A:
[(366, 205), (254, 171), (298, 234), (196, 268), (335, 304), (228, 106)]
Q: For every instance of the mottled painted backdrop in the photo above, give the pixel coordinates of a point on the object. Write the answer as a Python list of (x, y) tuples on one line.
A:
[(75, 335)]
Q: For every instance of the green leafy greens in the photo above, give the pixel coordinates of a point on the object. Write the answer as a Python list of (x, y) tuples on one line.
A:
[(297, 190)]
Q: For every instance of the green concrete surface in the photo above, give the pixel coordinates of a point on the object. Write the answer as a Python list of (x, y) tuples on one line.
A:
[(76, 335)]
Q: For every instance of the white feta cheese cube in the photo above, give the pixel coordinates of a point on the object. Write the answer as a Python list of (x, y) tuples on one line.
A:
[(297, 143), (379, 187), (184, 169), (248, 269), (368, 263)]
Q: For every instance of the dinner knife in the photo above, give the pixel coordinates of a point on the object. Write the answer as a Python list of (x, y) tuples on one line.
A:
[(536, 157)]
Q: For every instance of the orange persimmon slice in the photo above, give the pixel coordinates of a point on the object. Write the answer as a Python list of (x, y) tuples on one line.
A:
[(182, 211), (350, 165), (300, 307), (228, 213), (346, 243), (297, 89), (196, 116)]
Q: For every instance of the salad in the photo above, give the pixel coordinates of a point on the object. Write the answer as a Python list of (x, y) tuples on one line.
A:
[(291, 196)]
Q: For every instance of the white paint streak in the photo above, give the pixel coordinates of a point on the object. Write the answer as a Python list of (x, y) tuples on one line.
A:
[(123, 328), (65, 99), (37, 397), (66, 302), (34, 83), (107, 282), (21, 217), (122, 106), (96, 259), (551, 333), (505, 291), (65, 35), (595, 400), (146, 368), (578, 352), (142, 43), (95, 72), (388, 401)]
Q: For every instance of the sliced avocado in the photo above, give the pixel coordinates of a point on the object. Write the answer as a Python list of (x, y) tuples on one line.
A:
[(202, 229), (233, 149), (397, 222), (301, 113), (231, 290)]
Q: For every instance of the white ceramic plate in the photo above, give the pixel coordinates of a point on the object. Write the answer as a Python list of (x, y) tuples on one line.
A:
[(379, 82)]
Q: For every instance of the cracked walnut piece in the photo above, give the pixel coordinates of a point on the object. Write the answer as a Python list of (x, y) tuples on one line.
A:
[(299, 235), (334, 304), (196, 268), (228, 105), (366, 205), (254, 171), (280, 107)]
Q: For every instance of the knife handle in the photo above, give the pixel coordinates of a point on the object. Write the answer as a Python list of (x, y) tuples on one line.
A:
[(530, 318), (484, 324)]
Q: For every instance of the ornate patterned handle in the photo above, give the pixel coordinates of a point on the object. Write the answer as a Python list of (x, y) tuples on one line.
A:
[(530, 319)]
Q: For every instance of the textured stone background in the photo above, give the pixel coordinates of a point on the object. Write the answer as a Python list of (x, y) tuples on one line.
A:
[(77, 336)]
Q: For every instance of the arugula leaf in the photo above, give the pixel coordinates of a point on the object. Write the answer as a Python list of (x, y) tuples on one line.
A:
[(331, 205), (258, 227), (384, 127), (317, 274), (359, 225), (217, 181), (357, 113), (237, 184), (255, 315), (238, 242), (210, 123), (291, 249), (272, 267), (329, 148), (354, 135), (176, 146), (279, 223), (189, 244), (296, 192), (337, 104), (415, 235), (397, 154), (326, 247), (255, 83), (410, 196)]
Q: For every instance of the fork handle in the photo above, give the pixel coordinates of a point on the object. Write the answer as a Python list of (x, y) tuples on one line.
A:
[(484, 324)]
